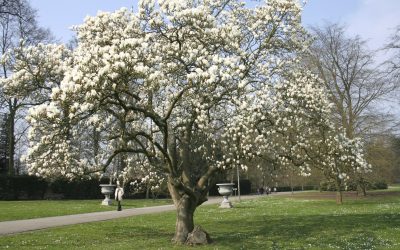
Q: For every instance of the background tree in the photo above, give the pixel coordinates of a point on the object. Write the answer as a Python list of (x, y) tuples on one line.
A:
[(27, 63), (148, 178), (3, 144), (383, 155), (18, 28), (393, 47), (292, 123), (396, 150), (10, 7), (355, 82)]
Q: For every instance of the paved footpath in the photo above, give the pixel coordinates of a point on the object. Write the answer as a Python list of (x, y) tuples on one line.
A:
[(19, 226)]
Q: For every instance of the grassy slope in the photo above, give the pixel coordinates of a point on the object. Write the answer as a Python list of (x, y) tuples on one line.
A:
[(17, 210), (291, 222)]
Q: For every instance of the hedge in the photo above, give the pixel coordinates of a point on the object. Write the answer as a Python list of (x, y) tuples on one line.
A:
[(295, 188), (26, 187), (22, 187), (79, 189), (352, 186)]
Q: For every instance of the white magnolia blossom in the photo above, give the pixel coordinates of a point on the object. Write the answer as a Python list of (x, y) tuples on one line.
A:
[(32, 64), (290, 121), (151, 178), (174, 58)]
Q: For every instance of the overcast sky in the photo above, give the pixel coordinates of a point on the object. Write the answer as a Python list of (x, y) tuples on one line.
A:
[(373, 20)]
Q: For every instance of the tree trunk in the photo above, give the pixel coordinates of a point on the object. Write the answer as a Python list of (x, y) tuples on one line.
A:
[(147, 192), (186, 190), (364, 190), (184, 219), (339, 193), (11, 137), (361, 187), (361, 190), (185, 205), (291, 183), (339, 197)]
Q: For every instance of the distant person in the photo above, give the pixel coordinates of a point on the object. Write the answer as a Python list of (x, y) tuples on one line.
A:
[(119, 192), (261, 190), (275, 190)]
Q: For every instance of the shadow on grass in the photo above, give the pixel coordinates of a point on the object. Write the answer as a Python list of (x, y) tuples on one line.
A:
[(262, 224), (356, 231)]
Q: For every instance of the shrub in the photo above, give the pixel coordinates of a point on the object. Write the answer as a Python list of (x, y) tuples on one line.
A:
[(379, 185)]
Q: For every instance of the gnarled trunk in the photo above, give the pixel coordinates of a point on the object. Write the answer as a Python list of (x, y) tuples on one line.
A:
[(185, 207), (187, 191), (184, 219)]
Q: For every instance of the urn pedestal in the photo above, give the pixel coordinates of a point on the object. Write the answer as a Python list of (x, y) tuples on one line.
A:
[(107, 190), (225, 189)]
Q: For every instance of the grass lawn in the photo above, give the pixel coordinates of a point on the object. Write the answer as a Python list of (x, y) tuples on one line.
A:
[(17, 210), (278, 222)]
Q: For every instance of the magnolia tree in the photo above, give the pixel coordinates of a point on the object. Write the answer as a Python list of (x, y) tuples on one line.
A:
[(152, 181), (37, 75), (36, 70), (143, 176), (177, 81), (289, 121)]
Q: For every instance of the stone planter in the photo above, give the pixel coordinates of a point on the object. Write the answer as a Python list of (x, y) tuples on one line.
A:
[(107, 190), (225, 189)]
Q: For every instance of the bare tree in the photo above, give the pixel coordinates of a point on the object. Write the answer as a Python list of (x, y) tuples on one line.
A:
[(355, 82), (394, 60), (9, 7)]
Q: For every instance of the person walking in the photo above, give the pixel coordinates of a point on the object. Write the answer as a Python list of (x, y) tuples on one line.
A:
[(119, 192)]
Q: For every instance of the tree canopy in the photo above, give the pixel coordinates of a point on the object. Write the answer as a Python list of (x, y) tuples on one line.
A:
[(176, 81)]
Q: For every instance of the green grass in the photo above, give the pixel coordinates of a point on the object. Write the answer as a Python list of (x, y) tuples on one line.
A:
[(290, 222), (17, 210)]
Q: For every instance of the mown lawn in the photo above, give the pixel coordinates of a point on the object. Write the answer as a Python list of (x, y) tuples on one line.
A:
[(17, 210), (277, 222)]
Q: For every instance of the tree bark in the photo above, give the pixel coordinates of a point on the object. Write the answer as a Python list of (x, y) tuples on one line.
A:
[(339, 197), (361, 188), (11, 136), (147, 192), (187, 189), (184, 219), (185, 205), (339, 193), (364, 190)]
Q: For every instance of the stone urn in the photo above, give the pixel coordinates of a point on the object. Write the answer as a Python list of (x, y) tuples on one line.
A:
[(107, 190), (225, 189)]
